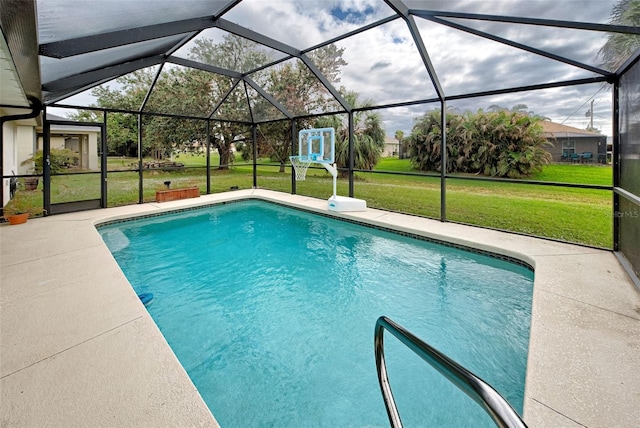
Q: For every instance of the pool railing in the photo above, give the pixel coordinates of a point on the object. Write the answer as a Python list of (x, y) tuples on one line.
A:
[(481, 392)]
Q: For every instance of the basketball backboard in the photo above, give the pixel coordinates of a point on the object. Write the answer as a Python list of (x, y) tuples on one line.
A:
[(317, 145)]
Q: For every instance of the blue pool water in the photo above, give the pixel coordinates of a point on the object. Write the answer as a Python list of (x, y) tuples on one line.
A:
[(271, 311)]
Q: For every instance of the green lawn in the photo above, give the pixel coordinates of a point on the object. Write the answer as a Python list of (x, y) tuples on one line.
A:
[(577, 173), (570, 214), (560, 173)]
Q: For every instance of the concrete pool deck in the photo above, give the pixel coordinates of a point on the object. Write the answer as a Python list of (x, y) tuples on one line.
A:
[(77, 348)]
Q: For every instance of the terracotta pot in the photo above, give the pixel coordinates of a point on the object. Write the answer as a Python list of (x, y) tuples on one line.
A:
[(18, 218), (31, 183)]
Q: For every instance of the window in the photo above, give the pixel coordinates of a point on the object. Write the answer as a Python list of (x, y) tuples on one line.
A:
[(568, 147)]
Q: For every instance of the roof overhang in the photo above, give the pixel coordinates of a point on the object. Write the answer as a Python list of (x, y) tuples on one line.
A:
[(19, 61)]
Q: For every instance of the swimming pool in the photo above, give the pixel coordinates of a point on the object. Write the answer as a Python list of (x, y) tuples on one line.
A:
[(271, 312)]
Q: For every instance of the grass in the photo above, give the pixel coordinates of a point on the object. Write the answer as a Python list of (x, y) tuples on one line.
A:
[(577, 173), (561, 173), (569, 214)]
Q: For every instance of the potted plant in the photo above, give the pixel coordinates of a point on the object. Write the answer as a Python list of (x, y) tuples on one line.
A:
[(36, 161), (18, 209), (59, 161)]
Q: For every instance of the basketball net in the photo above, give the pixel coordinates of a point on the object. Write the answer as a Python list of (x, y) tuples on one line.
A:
[(300, 166)]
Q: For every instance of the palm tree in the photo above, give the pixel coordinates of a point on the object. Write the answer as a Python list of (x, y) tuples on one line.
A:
[(619, 47), (424, 145), (498, 143), (368, 136)]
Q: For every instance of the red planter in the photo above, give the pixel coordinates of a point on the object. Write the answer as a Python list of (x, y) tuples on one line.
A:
[(18, 218), (175, 194)]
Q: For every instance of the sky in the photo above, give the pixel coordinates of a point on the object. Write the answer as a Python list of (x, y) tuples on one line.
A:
[(384, 66)]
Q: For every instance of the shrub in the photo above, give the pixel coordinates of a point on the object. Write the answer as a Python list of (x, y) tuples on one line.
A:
[(21, 204), (60, 159), (498, 144)]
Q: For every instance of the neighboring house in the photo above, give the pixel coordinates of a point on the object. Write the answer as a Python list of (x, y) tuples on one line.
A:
[(570, 144), (391, 147), (24, 137), (83, 140)]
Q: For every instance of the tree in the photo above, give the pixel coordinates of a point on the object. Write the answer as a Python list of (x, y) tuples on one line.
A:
[(237, 54), (298, 90), (231, 104), (619, 46), (368, 136), (424, 143), (506, 144), (518, 108), (122, 128)]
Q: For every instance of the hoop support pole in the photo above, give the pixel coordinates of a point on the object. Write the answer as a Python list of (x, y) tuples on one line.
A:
[(333, 170)]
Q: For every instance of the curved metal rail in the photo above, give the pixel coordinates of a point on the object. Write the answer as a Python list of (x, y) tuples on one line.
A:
[(481, 392)]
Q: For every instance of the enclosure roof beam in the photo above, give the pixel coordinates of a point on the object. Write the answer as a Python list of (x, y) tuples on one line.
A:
[(146, 113), (267, 65), (403, 11), (628, 63), (314, 69), (529, 21), (204, 67), (564, 83), (224, 98), (328, 42), (56, 96), (241, 31), (353, 33), (517, 45), (151, 87), (268, 97), (246, 94), (96, 42), (181, 43), (112, 39), (90, 77), (227, 7), (289, 50)]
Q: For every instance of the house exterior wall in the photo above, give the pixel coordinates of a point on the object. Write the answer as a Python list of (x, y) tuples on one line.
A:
[(391, 147), (18, 143), (25, 139), (9, 157), (390, 150), (94, 160), (596, 145), (58, 141)]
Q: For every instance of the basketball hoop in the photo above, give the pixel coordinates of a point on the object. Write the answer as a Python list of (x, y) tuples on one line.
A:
[(300, 165)]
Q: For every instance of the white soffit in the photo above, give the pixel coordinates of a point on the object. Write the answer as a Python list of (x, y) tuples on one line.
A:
[(11, 92)]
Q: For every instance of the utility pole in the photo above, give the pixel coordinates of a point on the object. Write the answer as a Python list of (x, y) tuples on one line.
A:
[(590, 115)]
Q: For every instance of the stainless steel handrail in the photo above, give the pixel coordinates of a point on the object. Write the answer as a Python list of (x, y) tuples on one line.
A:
[(481, 392)]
